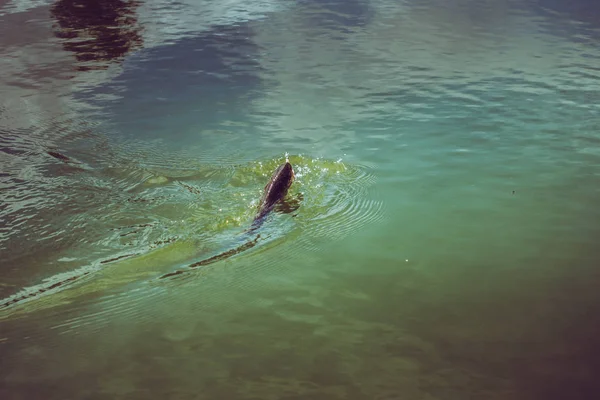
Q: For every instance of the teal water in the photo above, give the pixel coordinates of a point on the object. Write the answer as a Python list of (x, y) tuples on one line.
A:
[(444, 246)]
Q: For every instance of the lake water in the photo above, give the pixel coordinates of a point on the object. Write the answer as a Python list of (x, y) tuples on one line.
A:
[(440, 240)]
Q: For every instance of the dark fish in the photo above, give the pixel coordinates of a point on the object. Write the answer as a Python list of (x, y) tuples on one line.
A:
[(275, 191)]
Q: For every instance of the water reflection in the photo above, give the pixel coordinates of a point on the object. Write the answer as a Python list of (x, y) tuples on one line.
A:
[(97, 31), (203, 82), (587, 11), (479, 120)]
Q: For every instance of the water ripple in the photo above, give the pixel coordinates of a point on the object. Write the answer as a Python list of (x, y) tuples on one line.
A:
[(125, 162), (333, 199)]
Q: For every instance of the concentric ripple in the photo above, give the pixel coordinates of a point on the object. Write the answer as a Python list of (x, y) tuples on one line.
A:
[(338, 199)]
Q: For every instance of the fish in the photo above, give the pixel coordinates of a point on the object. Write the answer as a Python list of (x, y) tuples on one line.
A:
[(64, 288), (274, 193)]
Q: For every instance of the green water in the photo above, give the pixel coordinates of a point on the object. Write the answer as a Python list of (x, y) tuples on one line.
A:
[(444, 244)]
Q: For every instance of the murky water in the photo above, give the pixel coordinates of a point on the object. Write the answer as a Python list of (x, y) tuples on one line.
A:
[(439, 242)]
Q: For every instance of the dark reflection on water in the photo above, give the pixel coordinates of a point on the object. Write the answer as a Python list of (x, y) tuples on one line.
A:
[(583, 10), (202, 82), (97, 31)]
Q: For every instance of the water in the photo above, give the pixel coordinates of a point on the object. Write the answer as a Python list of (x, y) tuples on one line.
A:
[(439, 242)]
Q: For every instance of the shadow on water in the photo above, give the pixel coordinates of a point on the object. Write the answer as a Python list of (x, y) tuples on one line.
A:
[(203, 82), (98, 32)]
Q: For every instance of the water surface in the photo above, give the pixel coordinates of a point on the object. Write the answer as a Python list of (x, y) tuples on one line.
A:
[(442, 239)]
